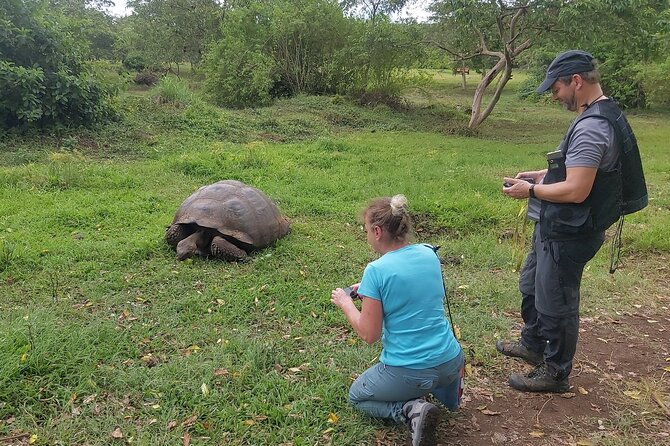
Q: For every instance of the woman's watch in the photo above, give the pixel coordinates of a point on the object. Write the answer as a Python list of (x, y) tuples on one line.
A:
[(531, 191)]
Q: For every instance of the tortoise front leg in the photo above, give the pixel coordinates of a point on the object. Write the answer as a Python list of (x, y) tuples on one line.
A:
[(223, 249)]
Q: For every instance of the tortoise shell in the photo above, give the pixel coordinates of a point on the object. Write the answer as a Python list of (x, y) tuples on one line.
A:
[(235, 210)]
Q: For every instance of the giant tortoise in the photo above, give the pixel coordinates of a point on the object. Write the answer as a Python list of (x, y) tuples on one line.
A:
[(225, 220)]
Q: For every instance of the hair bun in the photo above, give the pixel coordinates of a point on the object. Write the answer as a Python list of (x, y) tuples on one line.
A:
[(398, 204)]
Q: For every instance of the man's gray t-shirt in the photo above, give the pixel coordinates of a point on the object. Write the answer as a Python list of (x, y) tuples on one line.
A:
[(592, 145)]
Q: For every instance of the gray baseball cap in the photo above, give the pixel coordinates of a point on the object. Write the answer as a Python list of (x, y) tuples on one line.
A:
[(565, 64)]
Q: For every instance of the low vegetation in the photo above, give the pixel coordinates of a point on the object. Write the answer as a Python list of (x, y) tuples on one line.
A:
[(105, 338)]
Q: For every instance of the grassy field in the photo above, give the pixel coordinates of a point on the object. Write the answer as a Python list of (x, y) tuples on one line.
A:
[(104, 337)]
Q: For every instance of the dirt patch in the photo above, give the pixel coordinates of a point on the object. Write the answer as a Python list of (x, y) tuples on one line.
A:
[(614, 357), (619, 387)]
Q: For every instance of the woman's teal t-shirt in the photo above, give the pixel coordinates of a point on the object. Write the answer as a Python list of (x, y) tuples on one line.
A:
[(408, 282)]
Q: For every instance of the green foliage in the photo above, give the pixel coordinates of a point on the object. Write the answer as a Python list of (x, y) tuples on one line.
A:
[(284, 48), (95, 30), (7, 252), (381, 54), (619, 79), (276, 49), (43, 79), (173, 90), (655, 82), (239, 73), (162, 32), (628, 33), (101, 328)]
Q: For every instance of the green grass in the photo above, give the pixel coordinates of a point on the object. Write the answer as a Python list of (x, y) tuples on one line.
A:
[(101, 328)]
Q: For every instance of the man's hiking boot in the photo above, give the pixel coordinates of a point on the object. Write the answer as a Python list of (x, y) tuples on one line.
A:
[(539, 380), (422, 418), (516, 349)]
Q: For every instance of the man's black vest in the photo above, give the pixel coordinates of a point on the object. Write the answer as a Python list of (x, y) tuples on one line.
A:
[(616, 193)]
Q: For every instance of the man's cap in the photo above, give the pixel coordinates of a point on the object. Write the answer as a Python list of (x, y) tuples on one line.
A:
[(565, 64)]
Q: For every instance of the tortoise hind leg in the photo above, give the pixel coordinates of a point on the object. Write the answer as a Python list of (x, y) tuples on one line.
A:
[(176, 233), (223, 249)]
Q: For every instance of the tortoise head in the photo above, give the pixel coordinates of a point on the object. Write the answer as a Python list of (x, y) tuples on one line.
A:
[(186, 248)]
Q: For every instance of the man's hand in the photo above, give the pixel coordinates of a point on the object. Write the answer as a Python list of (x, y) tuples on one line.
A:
[(518, 189)]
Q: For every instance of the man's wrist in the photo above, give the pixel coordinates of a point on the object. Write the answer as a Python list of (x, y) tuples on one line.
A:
[(531, 191)]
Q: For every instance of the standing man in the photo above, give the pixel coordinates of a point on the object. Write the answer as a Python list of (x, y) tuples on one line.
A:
[(593, 179)]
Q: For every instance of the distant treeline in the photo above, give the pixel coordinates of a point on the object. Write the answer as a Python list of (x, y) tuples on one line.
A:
[(250, 52)]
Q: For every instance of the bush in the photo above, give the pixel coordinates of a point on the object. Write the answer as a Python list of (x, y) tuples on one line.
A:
[(285, 48), (146, 77), (173, 90), (620, 80), (237, 76), (655, 81), (43, 79)]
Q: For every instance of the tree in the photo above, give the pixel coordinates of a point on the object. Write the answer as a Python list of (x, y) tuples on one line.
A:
[(373, 9), (629, 33), (86, 20), (499, 30), (278, 48), (172, 31), (619, 32), (44, 80)]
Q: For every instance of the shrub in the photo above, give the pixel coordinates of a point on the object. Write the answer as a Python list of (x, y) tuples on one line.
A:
[(43, 79), (655, 81), (146, 77), (172, 90)]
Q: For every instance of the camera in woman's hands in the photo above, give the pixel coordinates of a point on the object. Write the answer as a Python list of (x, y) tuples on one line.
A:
[(351, 293)]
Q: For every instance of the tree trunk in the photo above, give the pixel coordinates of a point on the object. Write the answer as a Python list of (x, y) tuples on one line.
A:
[(503, 66), (463, 74)]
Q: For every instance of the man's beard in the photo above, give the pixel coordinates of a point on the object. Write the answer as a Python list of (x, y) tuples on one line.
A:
[(570, 104)]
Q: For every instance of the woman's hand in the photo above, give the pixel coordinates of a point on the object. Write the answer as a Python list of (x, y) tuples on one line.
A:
[(340, 298)]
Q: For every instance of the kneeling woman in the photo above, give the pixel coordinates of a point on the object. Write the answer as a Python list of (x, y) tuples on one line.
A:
[(402, 297)]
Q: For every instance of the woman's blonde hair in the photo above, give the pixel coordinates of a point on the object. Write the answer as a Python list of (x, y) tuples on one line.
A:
[(391, 214)]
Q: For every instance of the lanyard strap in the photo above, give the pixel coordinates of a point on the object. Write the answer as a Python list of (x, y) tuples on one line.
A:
[(444, 287)]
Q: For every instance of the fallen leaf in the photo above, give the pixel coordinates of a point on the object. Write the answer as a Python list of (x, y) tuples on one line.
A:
[(250, 422), (327, 431), (171, 425), (192, 349), (632, 394), (585, 443), (333, 418), (204, 389), (190, 421), (186, 439), (221, 372), (603, 340), (567, 395), (583, 391), (117, 433), (490, 412), (667, 369), (468, 369), (32, 439), (536, 434)]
